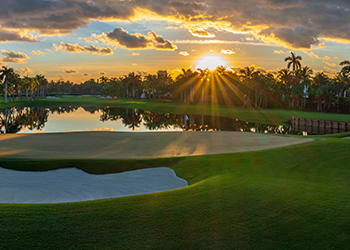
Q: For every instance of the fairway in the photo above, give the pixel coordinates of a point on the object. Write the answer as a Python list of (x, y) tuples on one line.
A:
[(114, 145)]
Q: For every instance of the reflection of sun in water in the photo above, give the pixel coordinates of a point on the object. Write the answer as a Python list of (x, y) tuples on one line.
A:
[(211, 62)]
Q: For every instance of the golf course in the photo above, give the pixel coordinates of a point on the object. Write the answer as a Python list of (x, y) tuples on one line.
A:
[(245, 190)]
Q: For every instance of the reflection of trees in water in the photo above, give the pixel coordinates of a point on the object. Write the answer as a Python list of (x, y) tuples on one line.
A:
[(132, 118), (156, 121), (13, 120), (63, 110)]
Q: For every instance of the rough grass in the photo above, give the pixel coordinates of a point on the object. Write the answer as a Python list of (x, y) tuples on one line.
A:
[(287, 198)]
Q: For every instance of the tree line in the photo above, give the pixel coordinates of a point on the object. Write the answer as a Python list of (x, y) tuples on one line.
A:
[(295, 87)]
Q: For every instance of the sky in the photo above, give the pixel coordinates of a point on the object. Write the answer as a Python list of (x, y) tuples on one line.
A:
[(77, 40)]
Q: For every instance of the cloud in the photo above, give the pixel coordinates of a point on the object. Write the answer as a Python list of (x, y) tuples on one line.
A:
[(76, 48), (293, 24), (86, 74), (200, 32), (13, 57), (279, 52), (121, 38), (329, 71), (330, 64), (60, 77), (38, 52), (10, 35), (70, 71), (135, 54), (227, 52), (298, 37), (214, 41), (102, 73), (25, 71), (183, 53), (49, 17), (142, 73), (312, 54)]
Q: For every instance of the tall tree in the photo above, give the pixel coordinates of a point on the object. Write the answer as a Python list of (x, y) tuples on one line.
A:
[(5, 74), (320, 81), (43, 83), (304, 74), (294, 61), (133, 80), (346, 69), (249, 75)]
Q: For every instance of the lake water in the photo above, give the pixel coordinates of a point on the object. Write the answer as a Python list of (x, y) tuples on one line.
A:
[(68, 119)]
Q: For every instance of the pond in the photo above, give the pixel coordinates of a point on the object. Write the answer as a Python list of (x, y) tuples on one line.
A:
[(69, 119)]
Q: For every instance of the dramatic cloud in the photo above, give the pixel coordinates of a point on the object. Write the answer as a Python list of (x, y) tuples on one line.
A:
[(13, 57), (200, 32), (183, 53), (214, 41), (293, 24), (227, 52), (59, 16), (135, 54), (294, 38), (25, 71), (76, 48), (70, 71), (120, 37), (15, 35), (38, 52)]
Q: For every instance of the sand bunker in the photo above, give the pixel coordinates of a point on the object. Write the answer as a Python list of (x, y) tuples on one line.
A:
[(116, 145), (71, 185)]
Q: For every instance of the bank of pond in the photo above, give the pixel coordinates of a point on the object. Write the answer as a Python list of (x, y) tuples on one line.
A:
[(66, 119)]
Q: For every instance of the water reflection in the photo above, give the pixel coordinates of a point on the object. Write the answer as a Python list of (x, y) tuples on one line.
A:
[(29, 120)]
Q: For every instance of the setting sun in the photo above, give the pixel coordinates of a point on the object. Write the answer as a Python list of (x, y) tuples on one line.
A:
[(211, 62)]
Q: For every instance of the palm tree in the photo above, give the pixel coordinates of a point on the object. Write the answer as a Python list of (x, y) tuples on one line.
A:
[(5, 74), (182, 78), (320, 80), (346, 69), (43, 83), (204, 77), (249, 74), (133, 79), (304, 74), (295, 61)]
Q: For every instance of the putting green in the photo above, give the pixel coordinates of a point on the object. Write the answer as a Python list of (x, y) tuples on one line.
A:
[(115, 145)]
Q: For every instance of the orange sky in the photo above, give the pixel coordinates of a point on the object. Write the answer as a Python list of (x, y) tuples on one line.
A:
[(76, 40)]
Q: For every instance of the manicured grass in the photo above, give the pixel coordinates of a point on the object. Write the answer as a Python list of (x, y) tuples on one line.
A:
[(268, 116), (288, 198)]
